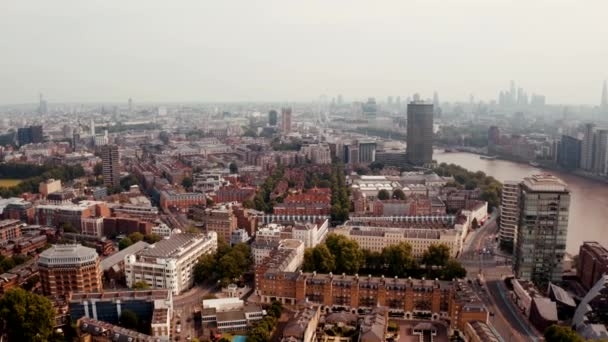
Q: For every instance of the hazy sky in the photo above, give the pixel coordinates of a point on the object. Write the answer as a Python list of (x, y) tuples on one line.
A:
[(221, 50)]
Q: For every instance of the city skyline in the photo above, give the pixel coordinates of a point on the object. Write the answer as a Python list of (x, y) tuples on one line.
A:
[(293, 52)]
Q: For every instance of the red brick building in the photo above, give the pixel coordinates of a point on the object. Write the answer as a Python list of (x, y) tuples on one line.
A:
[(234, 193), (125, 225), (592, 263), (453, 300)]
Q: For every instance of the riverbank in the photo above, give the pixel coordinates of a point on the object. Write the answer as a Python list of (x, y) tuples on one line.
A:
[(542, 164), (589, 198)]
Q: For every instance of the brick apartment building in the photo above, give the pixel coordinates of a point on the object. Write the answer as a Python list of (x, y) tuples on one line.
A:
[(183, 200), (10, 230), (592, 263), (125, 225), (220, 219), (234, 193), (451, 300), (69, 268)]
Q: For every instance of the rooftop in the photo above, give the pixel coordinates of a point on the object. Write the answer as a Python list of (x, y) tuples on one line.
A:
[(172, 246), (67, 254), (117, 257), (545, 183)]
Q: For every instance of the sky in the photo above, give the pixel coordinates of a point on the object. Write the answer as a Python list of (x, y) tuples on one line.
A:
[(283, 50)]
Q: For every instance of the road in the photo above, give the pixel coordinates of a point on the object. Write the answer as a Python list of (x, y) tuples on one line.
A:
[(183, 307), (507, 319)]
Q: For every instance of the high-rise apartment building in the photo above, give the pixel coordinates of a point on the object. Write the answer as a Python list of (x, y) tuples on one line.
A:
[(111, 166), (543, 227), (419, 132), (600, 155), (69, 268), (272, 118), (30, 135), (588, 147), (569, 152), (509, 212), (286, 119)]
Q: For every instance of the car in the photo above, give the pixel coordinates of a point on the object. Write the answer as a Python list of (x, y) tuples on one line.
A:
[(491, 314), (178, 328)]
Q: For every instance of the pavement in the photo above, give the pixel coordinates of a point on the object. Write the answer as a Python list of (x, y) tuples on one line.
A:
[(481, 261)]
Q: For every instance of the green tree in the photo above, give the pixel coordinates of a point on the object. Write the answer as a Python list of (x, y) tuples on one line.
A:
[(124, 243), (399, 259), (557, 333), (136, 237), (319, 259), (453, 270), (436, 255), (140, 285), (275, 310), (399, 194), (152, 238), (27, 316), (348, 256), (128, 319), (233, 168), (204, 268), (98, 169), (474, 223), (383, 195), (187, 182)]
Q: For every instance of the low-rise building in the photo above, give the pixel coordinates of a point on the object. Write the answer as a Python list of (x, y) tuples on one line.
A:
[(376, 237), (302, 327), (230, 314), (169, 263), (154, 306)]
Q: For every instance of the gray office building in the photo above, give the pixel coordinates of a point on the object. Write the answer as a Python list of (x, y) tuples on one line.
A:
[(367, 151), (543, 228), (419, 132)]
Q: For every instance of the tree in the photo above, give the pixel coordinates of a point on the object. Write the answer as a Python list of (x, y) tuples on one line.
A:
[(399, 194), (275, 309), (453, 270), (124, 243), (436, 255), (319, 259), (140, 285), (557, 333), (128, 319), (383, 195), (98, 169), (152, 238), (136, 237), (399, 259), (376, 166), (474, 223), (204, 268), (187, 182), (233, 168), (27, 316), (349, 257)]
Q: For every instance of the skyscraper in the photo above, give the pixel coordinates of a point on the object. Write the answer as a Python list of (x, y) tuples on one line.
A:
[(604, 102), (111, 166), (42, 106), (509, 213), (600, 155), (543, 227), (92, 127), (130, 105), (588, 147), (419, 132), (273, 117), (286, 119)]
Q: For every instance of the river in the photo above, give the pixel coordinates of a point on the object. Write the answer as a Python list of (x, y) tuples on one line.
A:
[(588, 208)]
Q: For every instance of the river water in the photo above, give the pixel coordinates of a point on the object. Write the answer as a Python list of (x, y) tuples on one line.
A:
[(588, 208)]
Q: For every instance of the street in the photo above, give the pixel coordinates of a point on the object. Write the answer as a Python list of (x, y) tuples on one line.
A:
[(480, 259), (184, 306)]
